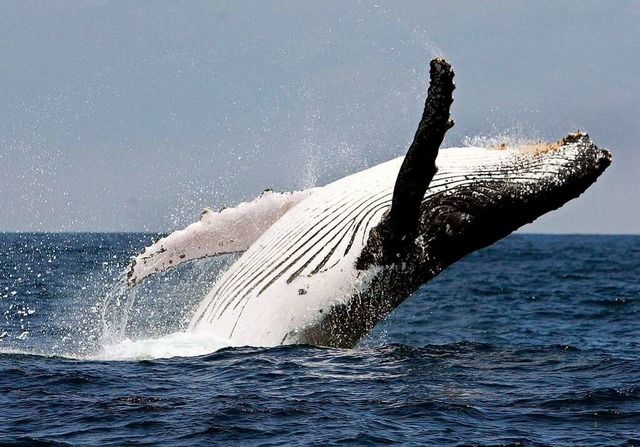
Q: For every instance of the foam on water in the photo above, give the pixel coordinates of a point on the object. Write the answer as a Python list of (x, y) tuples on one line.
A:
[(178, 344), (149, 321)]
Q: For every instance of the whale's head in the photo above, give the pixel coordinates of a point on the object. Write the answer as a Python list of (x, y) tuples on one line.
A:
[(481, 195)]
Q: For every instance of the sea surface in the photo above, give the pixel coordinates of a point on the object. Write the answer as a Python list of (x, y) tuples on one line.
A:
[(533, 341)]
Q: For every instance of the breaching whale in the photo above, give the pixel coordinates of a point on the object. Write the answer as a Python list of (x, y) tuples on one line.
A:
[(323, 266)]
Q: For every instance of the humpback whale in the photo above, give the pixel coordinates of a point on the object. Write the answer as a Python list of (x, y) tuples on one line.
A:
[(324, 265)]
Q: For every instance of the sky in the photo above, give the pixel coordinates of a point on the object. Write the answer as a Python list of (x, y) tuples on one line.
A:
[(135, 115)]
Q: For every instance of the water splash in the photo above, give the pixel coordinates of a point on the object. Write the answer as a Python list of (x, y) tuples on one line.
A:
[(515, 135), (151, 320), (177, 344), (115, 313)]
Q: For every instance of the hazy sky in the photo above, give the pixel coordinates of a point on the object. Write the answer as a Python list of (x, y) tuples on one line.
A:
[(134, 115)]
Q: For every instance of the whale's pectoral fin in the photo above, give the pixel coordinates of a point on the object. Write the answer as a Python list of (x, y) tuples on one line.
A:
[(227, 231), (392, 239)]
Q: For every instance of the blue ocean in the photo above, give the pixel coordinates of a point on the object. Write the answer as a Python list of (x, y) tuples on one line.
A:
[(533, 341)]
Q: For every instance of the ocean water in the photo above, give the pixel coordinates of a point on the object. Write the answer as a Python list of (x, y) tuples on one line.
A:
[(533, 341)]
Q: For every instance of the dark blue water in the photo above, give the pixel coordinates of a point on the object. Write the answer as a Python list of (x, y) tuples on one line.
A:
[(533, 341)]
